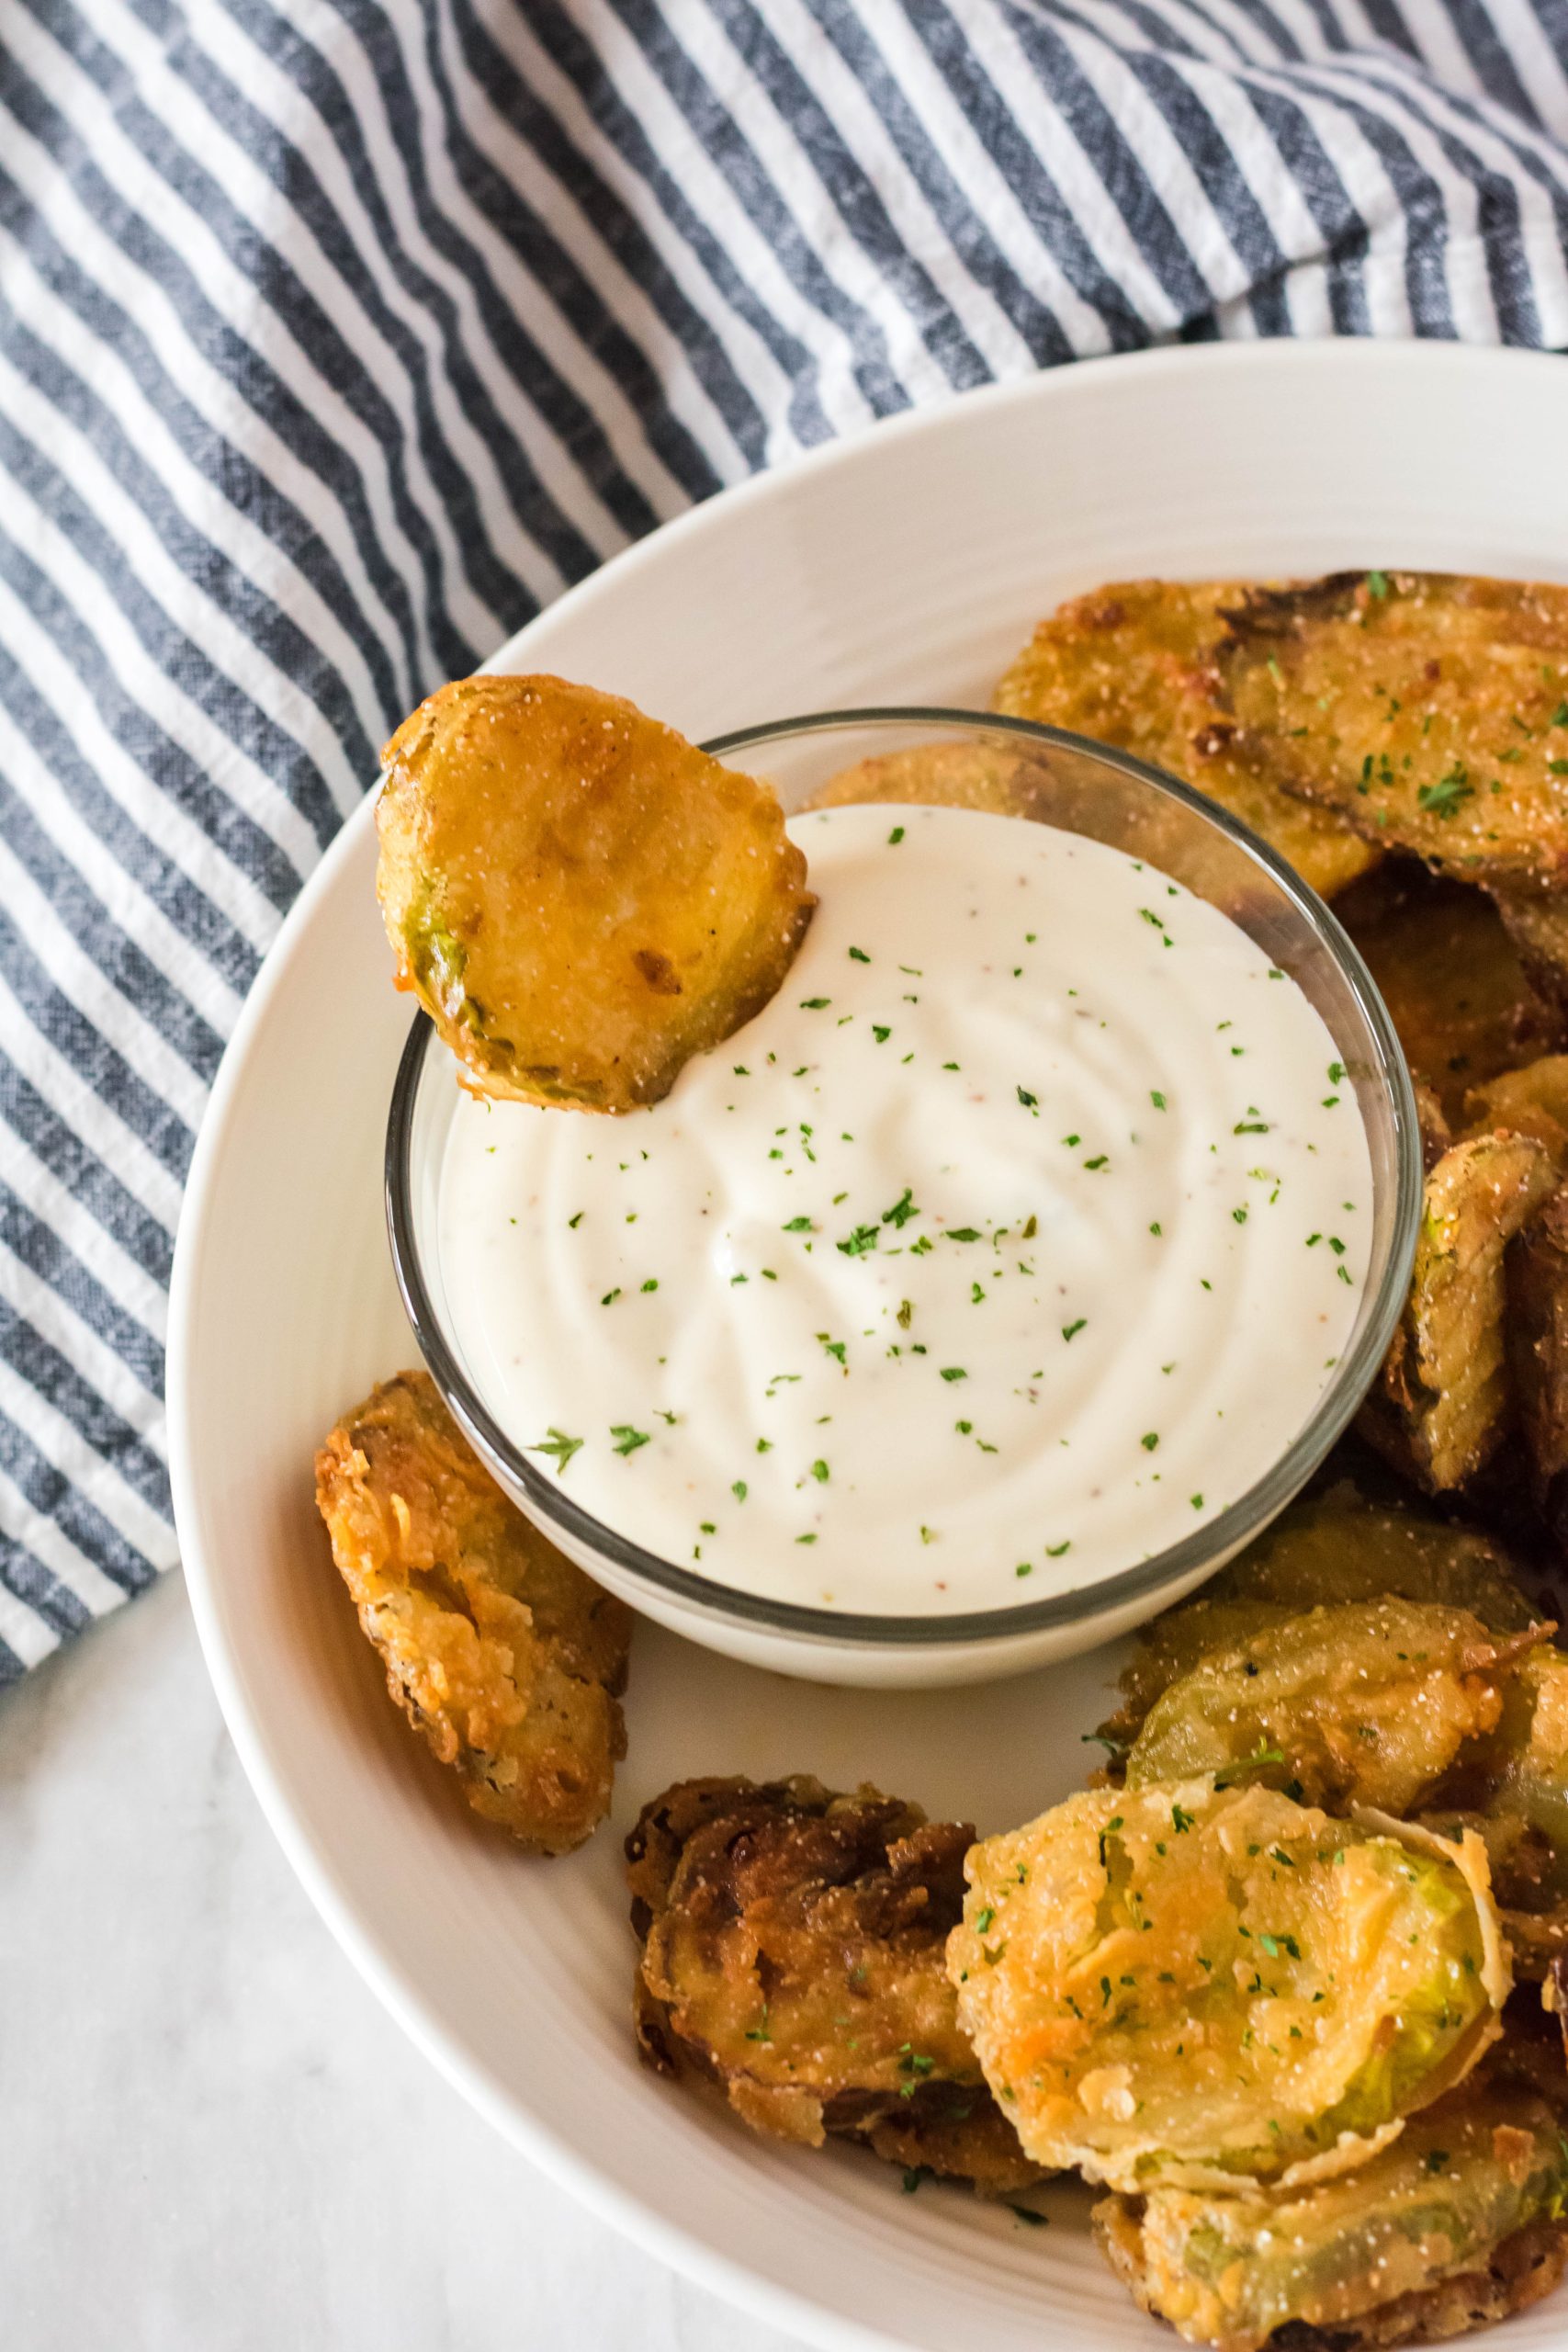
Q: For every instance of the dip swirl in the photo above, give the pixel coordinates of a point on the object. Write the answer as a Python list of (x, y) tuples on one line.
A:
[(1016, 1237)]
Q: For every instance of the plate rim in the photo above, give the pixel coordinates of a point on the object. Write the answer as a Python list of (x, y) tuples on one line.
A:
[(772, 2301)]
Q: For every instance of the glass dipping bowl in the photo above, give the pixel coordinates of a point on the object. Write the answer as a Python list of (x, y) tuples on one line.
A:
[(1081, 787)]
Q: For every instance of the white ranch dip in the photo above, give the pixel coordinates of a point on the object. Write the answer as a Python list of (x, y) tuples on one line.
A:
[(1016, 1237)]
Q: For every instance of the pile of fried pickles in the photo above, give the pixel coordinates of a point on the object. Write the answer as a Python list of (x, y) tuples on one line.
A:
[(1287, 1981)]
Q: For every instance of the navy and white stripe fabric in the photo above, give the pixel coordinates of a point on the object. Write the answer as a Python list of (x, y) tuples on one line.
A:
[(336, 337)]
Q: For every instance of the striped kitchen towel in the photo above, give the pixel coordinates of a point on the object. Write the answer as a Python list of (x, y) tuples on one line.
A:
[(337, 337)]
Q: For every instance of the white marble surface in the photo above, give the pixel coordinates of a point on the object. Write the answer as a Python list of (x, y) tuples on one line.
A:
[(211, 2138)]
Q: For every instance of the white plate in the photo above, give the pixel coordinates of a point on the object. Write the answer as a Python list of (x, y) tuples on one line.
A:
[(906, 566)]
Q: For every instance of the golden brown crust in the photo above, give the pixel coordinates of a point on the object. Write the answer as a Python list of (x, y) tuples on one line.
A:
[(503, 1655), (1135, 664), (1520, 2272), (580, 898), (1422, 708), (793, 1945), (1131, 1966), (1443, 1403), (1327, 1549), (1363, 1703), (1454, 2223)]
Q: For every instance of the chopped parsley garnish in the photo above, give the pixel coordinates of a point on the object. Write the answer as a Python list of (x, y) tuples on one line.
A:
[(1449, 794), (1069, 1329), (820, 1472), (864, 1237), (953, 1371), (627, 1439), (896, 836), (796, 1224), (560, 1446), (1149, 1440), (859, 956)]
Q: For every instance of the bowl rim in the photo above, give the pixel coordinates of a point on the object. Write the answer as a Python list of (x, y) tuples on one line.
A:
[(1177, 1564)]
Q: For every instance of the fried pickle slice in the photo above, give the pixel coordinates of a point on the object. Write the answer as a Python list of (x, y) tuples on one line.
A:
[(1428, 710), (503, 1655), (1201, 1986), (993, 777), (1366, 1703), (581, 900), (1443, 1401), (1451, 978), (792, 1953), (1455, 2225), (1537, 1267), (1328, 1549), (1134, 665)]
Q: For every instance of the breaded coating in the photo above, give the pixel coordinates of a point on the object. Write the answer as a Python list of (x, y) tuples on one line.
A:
[(581, 900), (1366, 1703), (1199, 1987), (1134, 665), (993, 777), (1530, 1101), (1428, 710), (1537, 1267), (1442, 1405), (1451, 978), (1327, 1549), (1456, 2224), (793, 1945), (502, 1652)]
